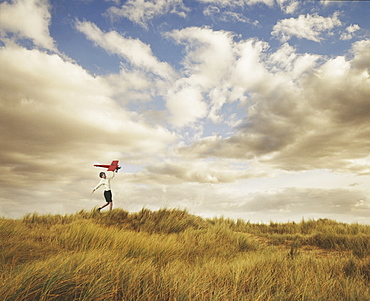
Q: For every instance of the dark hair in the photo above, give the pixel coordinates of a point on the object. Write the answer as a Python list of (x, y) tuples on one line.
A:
[(101, 174)]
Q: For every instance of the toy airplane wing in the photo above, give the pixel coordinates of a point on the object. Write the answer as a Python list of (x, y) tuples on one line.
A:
[(112, 167)]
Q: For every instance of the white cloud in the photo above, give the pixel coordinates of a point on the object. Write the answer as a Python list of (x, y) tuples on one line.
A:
[(27, 19), (349, 31), (241, 3), (307, 202), (236, 17), (286, 59), (361, 52), (226, 16), (141, 11), (310, 27), (208, 54), (186, 106), (134, 51), (288, 6), (197, 171), (211, 10), (249, 71), (204, 47)]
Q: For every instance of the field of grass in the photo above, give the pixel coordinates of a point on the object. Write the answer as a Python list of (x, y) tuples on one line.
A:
[(173, 255)]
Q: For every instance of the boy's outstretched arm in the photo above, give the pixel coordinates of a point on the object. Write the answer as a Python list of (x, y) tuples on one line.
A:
[(110, 174)]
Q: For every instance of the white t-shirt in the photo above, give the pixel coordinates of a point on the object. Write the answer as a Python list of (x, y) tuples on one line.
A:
[(106, 182)]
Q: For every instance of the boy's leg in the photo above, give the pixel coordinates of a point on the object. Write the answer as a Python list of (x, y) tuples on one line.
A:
[(100, 208), (108, 198)]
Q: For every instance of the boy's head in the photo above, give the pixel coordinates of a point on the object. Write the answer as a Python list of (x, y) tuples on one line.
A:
[(102, 174)]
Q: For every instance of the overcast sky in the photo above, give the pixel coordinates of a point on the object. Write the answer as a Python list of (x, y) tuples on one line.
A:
[(252, 109)]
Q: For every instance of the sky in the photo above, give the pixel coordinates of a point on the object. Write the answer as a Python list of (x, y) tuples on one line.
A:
[(251, 109)]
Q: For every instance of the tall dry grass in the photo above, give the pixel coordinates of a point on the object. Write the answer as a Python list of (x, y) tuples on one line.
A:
[(173, 255)]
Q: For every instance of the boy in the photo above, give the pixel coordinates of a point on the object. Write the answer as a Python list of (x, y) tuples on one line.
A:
[(105, 181)]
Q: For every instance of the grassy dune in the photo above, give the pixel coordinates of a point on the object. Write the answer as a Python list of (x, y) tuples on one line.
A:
[(173, 255)]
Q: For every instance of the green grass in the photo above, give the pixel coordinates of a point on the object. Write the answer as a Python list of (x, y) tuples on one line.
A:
[(173, 255)]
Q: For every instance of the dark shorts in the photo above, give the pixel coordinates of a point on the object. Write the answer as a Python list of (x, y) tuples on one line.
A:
[(108, 196)]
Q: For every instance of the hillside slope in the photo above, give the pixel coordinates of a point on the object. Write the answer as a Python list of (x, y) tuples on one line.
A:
[(173, 255)]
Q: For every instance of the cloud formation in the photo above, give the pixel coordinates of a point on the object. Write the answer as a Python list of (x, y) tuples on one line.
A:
[(134, 51), (288, 6), (300, 202), (204, 47), (241, 3), (296, 122), (349, 32), (310, 27), (141, 12), (27, 19)]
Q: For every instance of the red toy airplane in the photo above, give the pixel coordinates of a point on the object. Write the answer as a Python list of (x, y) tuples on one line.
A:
[(112, 167)]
